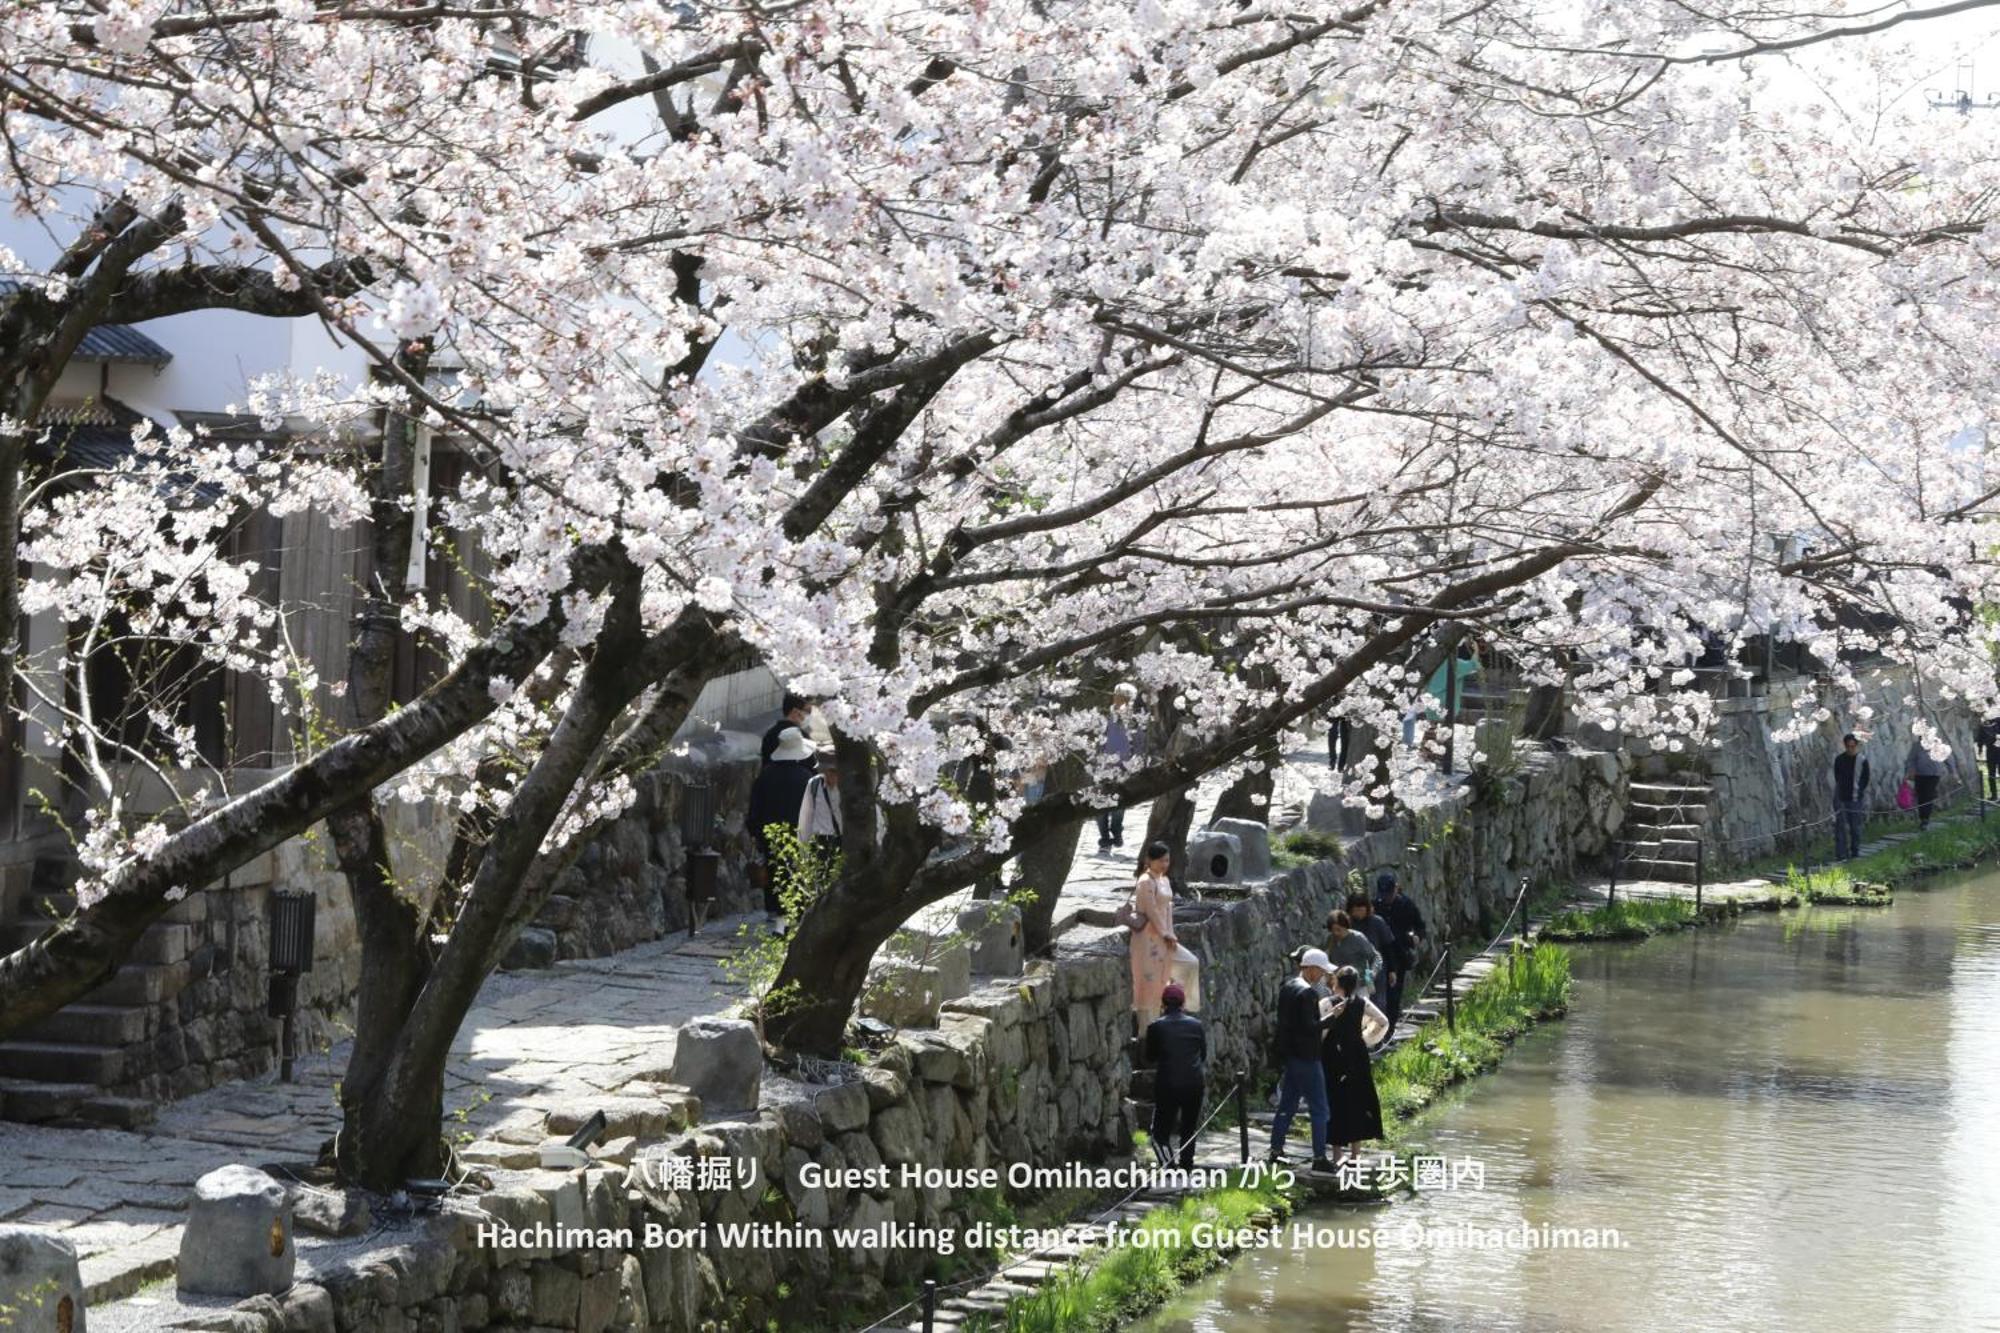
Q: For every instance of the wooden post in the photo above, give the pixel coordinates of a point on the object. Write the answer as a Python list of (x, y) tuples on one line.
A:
[(1611, 900), (1450, 993), (1700, 869), (930, 1303), (1243, 1117), (1450, 710)]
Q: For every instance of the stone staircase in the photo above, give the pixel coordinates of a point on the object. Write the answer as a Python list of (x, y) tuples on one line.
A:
[(1662, 834), (66, 1068)]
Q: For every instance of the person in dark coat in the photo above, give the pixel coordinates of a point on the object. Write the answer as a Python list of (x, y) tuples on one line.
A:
[(1177, 1051), (1354, 1112), (1989, 744), (792, 713), (1406, 923), (1362, 913), (775, 798), (1850, 797)]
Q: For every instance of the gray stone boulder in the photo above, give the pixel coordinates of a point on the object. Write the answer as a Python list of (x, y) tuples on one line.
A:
[(1214, 858), (721, 1061), (993, 934), (238, 1239), (332, 1212), (39, 1285), (1255, 840), (942, 946), (534, 947), (902, 993)]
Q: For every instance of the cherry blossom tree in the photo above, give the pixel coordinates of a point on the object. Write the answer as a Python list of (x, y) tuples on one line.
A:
[(955, 360)]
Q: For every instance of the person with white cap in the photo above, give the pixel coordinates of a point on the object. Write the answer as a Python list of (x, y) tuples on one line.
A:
[(775, 798), (1304, 1077)]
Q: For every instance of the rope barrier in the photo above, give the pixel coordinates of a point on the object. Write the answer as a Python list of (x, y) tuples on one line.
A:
[(982, 1279)]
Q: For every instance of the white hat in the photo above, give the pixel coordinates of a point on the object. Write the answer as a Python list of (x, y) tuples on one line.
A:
[(792, 745), (1316, 958)]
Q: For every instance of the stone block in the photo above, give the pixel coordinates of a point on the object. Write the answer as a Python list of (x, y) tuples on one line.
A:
[(902, 993), (238, 1239), (326, 1212), (721, 1061), (1215, 858), (994, 940), (534, 947), (39, 1281), (1254, 838)]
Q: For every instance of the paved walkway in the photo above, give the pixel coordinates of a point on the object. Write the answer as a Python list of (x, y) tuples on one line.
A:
[(537, 1051)]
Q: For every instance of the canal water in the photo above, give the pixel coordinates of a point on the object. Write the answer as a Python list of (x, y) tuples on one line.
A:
[(1792, 1121)]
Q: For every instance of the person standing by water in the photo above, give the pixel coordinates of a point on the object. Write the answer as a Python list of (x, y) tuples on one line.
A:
[(1354, 1111), (1924, 774), (1120, 743), (1989, 745), (1850, 797), (1346, 946), (1407, 924), (1304, 1077), (1154, 945), (1366, 920), (1177, 1052)]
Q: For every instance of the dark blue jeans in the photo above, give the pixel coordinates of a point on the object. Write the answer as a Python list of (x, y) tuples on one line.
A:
[(1848, 817), (1307, 1079)]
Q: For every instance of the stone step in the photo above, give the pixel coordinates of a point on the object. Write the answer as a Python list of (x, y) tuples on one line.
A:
[(35, 1101), (1660, 816), (1678, 872), (61, 1062), (1668, 793), (143, 983), (94, 1025)]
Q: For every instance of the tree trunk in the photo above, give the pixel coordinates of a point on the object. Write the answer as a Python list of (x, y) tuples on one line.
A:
[(1170, 820), (1045, 866), (1249, 797), (825, 970)]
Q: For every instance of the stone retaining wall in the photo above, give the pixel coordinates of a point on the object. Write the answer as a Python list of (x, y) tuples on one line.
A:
[(1768, 794), (1025, 1069), (1461, 863)]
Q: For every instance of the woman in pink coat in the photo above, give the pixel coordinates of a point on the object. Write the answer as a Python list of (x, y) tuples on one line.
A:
[(1154, 947)]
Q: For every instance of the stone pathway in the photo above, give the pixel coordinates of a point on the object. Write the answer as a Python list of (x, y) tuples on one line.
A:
[(535, 1046)]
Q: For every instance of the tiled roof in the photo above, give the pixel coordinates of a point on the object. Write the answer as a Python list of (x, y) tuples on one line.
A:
[(112, 342), (96, 433), (121, 342)]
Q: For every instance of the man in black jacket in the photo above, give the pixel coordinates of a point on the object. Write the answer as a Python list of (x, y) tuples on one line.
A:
[(793, 712), (1406, 923), (1299, 1028), (1850, 797), (1177, 1050)]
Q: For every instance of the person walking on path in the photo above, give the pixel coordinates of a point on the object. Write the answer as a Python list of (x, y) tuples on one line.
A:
[(1346, 946), (1176, 1049), (1154, 945), (1362, 913), (1304, 1077), (1406, 923), (1850, 797), (793, 713), (1354, 1111), (1924, 773), (819, 811), (1989, 744), (1120, 743), (775, 799)]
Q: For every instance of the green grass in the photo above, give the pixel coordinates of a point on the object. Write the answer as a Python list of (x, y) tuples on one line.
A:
[(1304, 846), (1535, 985), (1627, 919), (1128, 1279), (1834, 886)]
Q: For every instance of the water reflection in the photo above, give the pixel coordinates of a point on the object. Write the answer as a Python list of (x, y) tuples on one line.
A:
[(1793, 1122)]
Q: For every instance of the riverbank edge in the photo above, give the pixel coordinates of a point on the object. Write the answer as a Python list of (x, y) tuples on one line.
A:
[(1875, 878), (1074, 1298)]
